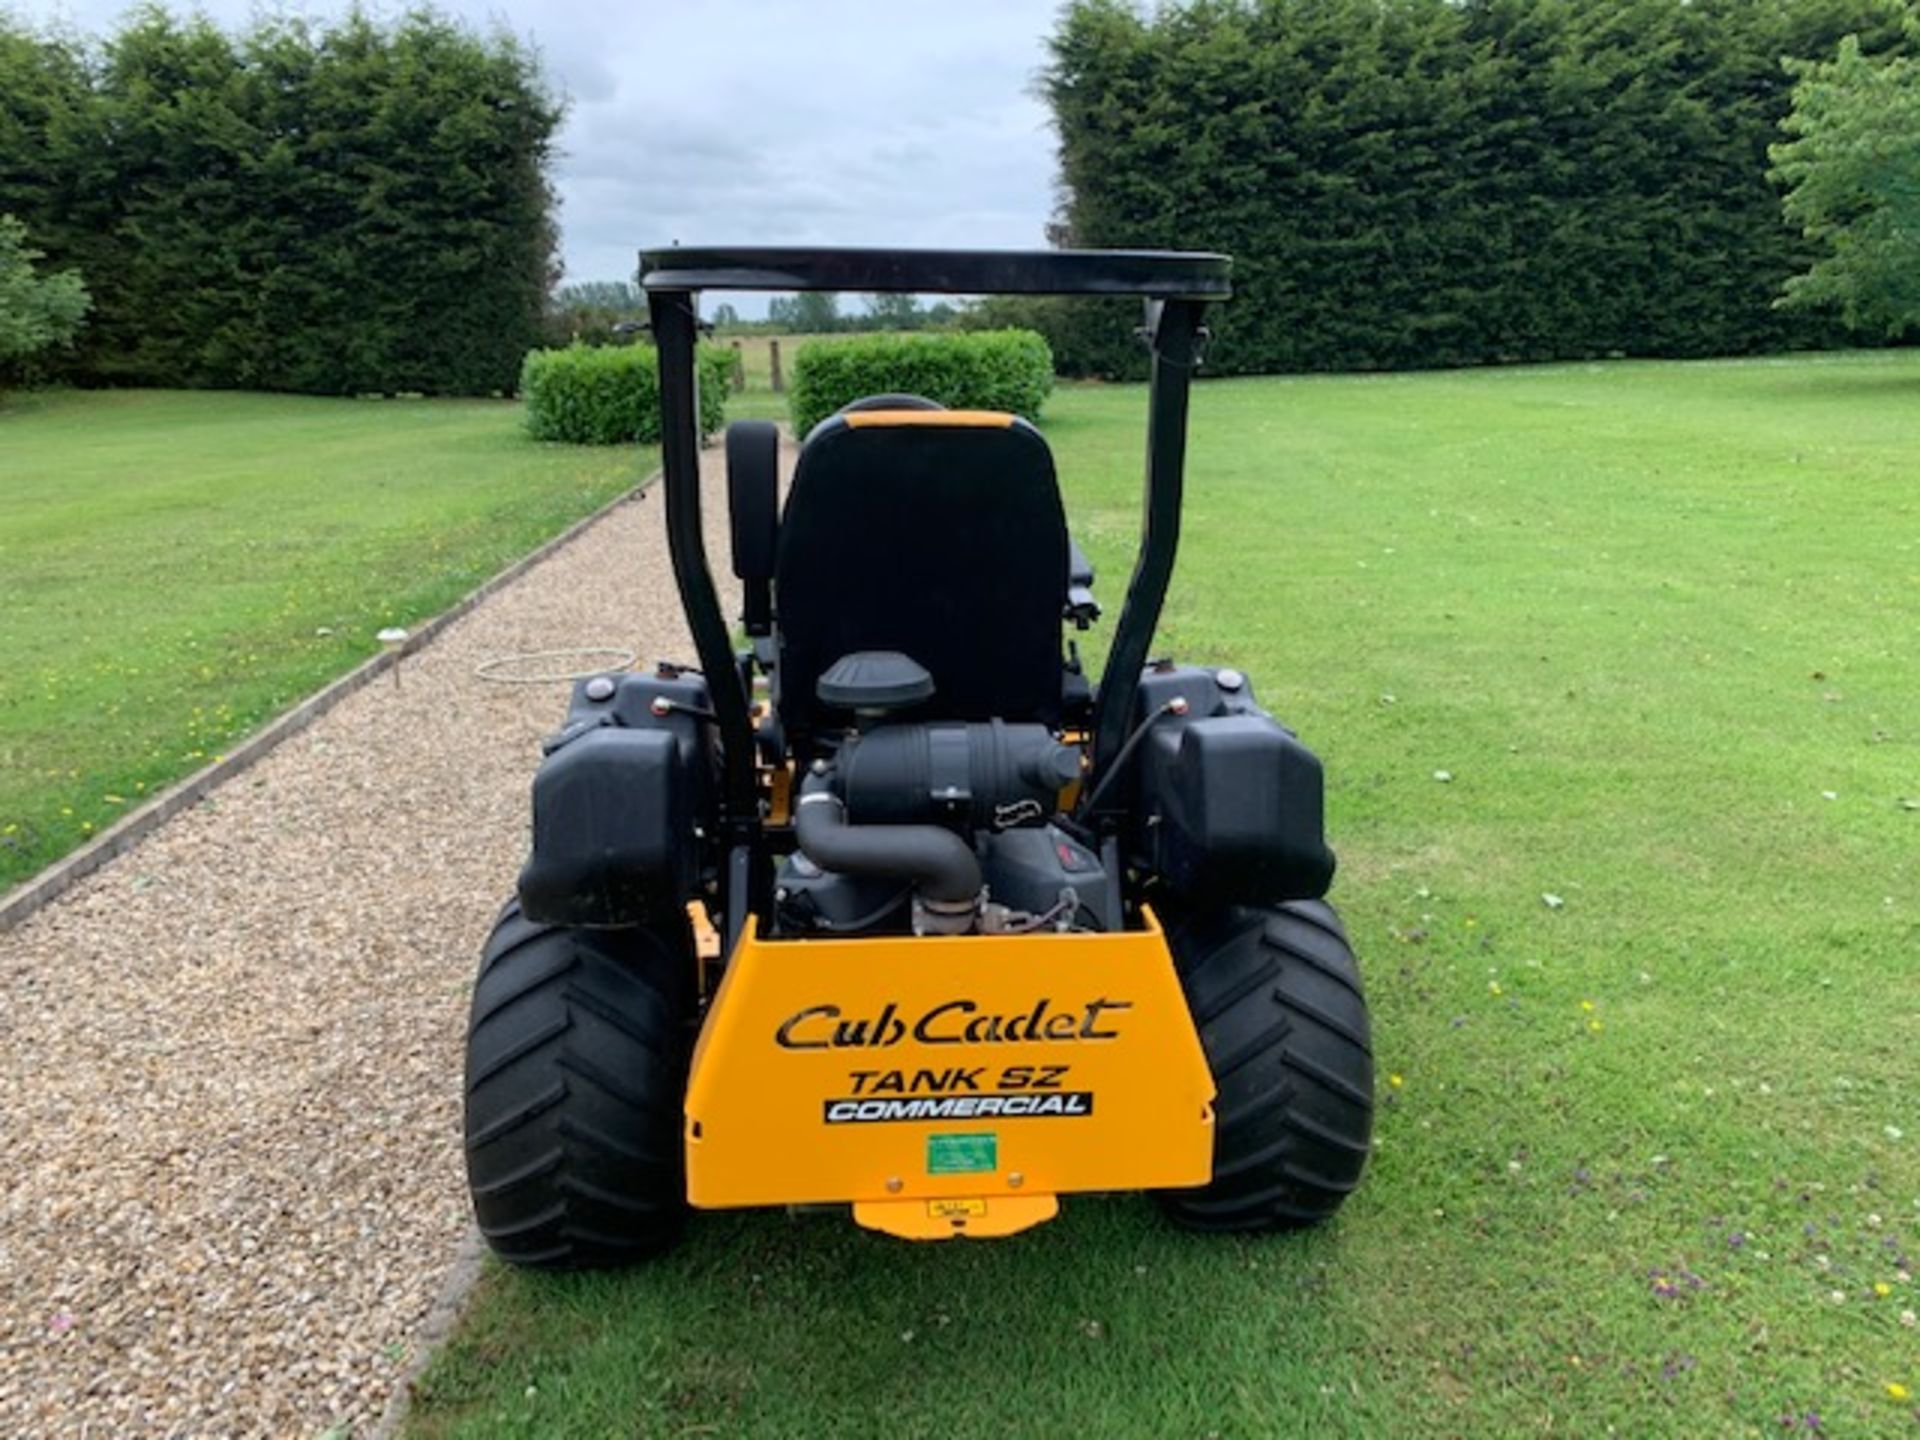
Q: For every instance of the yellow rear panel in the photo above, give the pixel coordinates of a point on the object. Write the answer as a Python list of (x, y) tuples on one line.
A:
[(972, 1066)]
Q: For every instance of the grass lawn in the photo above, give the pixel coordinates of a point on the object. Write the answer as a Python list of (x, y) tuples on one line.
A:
[(1649, 1160), (180, 567)]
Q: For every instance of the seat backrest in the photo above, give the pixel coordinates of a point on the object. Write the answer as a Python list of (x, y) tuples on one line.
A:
[(937, 533)]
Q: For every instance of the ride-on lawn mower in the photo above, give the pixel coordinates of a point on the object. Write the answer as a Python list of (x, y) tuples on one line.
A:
[(987, 933)]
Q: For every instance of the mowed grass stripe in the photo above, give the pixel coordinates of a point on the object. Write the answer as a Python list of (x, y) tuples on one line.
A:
[(1645, 1158), (180, 567)]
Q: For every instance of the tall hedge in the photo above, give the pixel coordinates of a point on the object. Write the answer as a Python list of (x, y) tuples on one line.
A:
[(1442, 182), (340, 207), (610, 394), (1009, 370)]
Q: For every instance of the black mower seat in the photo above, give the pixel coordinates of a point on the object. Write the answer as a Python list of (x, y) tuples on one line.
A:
[(935, 533)]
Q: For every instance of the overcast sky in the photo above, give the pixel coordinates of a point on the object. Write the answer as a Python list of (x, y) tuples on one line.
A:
[(849, 122)]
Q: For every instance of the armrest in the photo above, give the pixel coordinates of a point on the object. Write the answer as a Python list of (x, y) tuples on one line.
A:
[(1079, 567), (1082, 609)]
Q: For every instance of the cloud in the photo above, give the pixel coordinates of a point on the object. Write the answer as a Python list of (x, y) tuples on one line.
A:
[(773, 121), (837, 122)]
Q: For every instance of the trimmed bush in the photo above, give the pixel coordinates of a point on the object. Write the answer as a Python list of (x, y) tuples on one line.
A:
[(610, 395), (985, 370)]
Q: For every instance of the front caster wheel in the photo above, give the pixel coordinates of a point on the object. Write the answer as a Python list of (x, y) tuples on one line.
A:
[(1275, 993), (577, 1053)]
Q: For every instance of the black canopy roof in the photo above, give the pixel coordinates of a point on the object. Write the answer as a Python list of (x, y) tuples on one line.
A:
[(1155, 274)]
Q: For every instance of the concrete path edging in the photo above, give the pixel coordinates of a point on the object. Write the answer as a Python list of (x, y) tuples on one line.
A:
[(469, 1262)]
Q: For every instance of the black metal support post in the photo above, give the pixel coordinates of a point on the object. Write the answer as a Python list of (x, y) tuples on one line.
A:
[(1173, 332), (675, 329)]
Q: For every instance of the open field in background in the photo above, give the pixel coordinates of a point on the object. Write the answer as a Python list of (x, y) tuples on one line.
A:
[(1649, 1157), (759, 401), (177, 568)]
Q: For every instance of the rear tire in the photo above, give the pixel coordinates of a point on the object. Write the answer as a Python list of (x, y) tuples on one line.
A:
[(577, 1052), (1275, 994)]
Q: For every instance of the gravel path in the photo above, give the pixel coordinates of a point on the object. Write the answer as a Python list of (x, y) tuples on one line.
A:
[(230, 1060)]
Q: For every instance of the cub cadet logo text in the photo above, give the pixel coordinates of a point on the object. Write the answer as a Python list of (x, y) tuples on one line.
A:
[(957, 1022)]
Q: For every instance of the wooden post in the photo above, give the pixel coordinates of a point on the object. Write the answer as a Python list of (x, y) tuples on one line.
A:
[(773, 351), (739, 369)]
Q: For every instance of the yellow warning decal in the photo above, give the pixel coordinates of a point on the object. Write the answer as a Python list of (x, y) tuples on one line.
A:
[(956, 1208)]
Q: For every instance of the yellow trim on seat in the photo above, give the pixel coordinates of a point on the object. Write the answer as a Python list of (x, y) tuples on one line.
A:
[(935, 419)]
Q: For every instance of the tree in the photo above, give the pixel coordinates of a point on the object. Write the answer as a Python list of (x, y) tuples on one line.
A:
[(590, 311), (36, 310), (725, 317), (812, 312), (45, 95), (335, 207), (888, 311), (1852, 173), (1441, 182), (620, 297)]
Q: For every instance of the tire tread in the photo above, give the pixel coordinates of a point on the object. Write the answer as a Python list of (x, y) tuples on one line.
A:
[(1277, 999), (577, 1059)]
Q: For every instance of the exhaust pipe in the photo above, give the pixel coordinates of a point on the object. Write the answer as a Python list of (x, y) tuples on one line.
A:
[(942, 867)]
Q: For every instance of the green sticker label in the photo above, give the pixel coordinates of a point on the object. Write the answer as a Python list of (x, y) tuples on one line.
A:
[(962, 1154)]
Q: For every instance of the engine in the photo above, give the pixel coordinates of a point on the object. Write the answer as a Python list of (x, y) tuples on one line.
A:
[(941, 829), (905, 824), (946, 828)]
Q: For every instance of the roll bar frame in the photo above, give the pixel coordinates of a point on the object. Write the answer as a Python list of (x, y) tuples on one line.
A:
[(1176, 286)]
